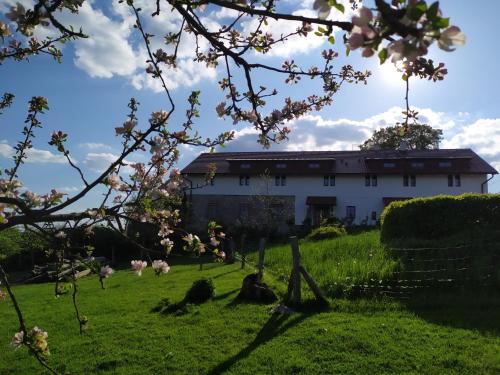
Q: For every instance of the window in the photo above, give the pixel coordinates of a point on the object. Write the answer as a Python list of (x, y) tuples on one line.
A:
[(314, 165), (374, 215), (281, 166), (244, 180), (458, 181), (413, 180), (417, 164), (280, 180), (211, 211), (329, 180), (350, 212), (371, 180), (389, 165), (444, 164), (450, 180), (409, 180), (245, 166)]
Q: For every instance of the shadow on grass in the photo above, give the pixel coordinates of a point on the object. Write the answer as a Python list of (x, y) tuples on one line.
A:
[(225, 295), (478, 310), (275, 326)]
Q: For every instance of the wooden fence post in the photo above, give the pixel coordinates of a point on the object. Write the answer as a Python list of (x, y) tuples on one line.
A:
[(295, 277), (314, 287), (262, 246)]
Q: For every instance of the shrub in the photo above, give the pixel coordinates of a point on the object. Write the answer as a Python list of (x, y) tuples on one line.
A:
[(468, 216), (323, 233), (201, 291)]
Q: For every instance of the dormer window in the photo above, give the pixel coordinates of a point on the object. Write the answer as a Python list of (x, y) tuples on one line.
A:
[(281, 166), (314, 165), (389, 165), (245, 166), (444, 164)]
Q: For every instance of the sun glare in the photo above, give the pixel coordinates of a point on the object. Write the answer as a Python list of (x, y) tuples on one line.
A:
[(391, 74)]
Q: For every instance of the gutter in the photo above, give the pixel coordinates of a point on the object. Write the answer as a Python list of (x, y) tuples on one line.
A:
[(485, 182)]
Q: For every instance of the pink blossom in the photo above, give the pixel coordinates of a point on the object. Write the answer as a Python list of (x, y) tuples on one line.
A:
[(138, 266), (17, 340), (214, 242), (167, 243), (356, 40), (160, 267), (323, 8), (364, 18), (61, 235), (106, 271), (222, 235), (113, 181), (452, 36), (127, 127), (158, 117), (164, 230), (221, 109)]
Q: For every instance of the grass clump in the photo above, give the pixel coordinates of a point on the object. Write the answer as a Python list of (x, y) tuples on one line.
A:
[(336, 264), (323, 233)]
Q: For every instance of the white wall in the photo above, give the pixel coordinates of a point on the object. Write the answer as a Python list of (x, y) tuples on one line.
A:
[(350, 190)]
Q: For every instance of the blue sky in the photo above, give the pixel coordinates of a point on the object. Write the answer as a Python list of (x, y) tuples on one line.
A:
[(89, 91)]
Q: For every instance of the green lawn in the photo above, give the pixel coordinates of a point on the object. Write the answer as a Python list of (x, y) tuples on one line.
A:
[(336, 264), (221, 336)]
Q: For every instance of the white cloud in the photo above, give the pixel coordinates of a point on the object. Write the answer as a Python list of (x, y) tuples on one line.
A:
[(33, 155), (94, 146), (313, 132), (483, 136), (99, 162), (69, 189)]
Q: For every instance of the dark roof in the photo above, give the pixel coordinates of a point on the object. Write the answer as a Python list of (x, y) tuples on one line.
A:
[(352, 162)]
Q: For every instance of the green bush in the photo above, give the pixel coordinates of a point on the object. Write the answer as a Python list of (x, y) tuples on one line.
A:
[(323, 233), (468, 217), (201, 291)]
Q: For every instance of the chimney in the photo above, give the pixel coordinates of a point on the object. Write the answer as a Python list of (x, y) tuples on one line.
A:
[(403, 146)]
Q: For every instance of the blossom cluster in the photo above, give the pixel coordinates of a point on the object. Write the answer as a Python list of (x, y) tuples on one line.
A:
[(10, 188), (417, 26), (36, 339), (138, 266), (106, 271), (160, 266)]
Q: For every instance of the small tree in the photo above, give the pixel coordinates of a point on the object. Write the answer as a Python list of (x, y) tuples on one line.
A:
[(416, 136)]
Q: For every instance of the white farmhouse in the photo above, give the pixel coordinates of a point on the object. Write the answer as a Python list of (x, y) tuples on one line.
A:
[(351, 185)]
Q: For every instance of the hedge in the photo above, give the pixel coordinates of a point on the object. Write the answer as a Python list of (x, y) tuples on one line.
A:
[(473, 216), (327, 232)]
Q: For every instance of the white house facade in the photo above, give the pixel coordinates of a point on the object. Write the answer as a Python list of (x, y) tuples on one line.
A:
[(354, 186)]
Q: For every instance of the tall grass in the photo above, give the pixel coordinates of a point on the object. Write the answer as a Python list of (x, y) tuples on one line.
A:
[(336, 264)]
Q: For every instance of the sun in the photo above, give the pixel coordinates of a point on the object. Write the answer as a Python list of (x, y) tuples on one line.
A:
[(391, 74)]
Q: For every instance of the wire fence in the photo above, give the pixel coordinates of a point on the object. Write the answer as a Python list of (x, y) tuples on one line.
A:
[(474, 265)]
